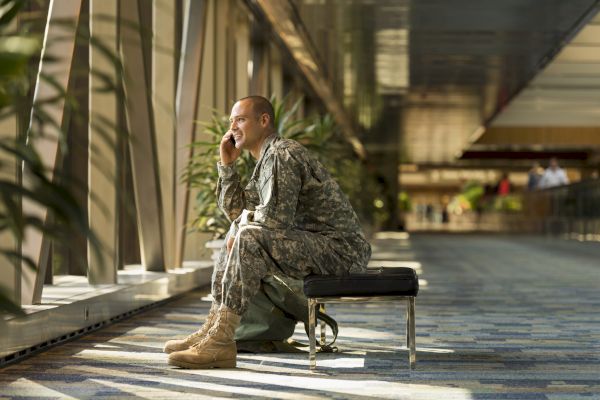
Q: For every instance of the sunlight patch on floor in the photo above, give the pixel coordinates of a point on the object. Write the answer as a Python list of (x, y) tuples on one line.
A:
[(120, 355), (337, 362), (330, 386), (26, 387), (187, 384)]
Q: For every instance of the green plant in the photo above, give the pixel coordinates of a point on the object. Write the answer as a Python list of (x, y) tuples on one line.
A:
[(508, 203), (472, 192), (404, 203), (201, 173), (470, 198)]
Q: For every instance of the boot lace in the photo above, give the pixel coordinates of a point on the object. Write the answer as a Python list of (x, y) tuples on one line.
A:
[(202, 331), (211, 331), (196, 334)]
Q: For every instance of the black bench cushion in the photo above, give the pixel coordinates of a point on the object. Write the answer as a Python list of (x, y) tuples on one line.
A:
[(400, 281)]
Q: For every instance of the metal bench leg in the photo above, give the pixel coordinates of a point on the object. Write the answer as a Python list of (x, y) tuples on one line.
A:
[(407, 324), (412, 351), (312, 321), (323, 326)]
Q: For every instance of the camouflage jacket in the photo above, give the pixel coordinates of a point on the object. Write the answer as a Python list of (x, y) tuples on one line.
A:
[(290, 189)]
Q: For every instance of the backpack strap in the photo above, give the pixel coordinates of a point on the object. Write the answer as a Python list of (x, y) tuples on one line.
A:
[(287, 295), (332, 323)]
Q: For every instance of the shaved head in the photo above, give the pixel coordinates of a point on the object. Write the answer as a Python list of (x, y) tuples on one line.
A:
[(260, 106)]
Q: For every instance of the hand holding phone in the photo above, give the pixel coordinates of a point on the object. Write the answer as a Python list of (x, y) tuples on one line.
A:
[(227, 150)]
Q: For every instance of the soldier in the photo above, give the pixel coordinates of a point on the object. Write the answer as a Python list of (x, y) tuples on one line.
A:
[(292, 219)]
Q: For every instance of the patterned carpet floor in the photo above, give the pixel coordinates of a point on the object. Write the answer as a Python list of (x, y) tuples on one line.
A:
[(498, 317)]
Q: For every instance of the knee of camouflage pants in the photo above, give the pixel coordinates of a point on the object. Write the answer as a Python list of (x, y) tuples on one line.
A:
[(258, 251), (217, 275), (220, 264), (246, 265)]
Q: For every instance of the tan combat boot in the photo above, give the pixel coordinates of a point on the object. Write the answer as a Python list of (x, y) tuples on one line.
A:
[(216, 350), (183, 344)]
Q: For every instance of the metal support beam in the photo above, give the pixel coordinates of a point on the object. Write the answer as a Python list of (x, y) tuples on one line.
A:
[(140, 121), (102, 169), (59, 40), (10, 278), (71, 258), (188, 87), (163, 100), (10, 282)]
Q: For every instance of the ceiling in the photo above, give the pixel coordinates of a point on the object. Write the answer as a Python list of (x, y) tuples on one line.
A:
[(567, 92), (429, 79)]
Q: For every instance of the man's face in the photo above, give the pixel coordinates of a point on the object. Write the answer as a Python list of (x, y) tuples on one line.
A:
[(248, 128)]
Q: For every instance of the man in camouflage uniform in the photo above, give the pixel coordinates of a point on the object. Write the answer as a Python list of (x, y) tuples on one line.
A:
[(292, 219)]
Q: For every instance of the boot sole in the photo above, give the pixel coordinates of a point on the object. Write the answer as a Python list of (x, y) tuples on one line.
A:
[(231, 363)]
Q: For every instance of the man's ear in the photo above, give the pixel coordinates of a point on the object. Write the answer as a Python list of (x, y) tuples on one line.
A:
[(264, 120)]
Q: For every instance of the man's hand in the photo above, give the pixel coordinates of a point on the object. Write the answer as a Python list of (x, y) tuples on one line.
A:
[(227, 150), (230, 244)]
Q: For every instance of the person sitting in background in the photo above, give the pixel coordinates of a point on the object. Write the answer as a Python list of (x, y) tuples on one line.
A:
[(553, 176)]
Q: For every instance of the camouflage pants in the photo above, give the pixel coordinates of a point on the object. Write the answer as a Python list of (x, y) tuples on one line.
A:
[(258, 252)]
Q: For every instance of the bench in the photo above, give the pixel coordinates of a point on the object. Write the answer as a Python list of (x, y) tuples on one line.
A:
[(383, 284)]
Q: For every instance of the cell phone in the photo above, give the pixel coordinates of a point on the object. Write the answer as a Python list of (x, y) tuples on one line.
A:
[(232, 140)]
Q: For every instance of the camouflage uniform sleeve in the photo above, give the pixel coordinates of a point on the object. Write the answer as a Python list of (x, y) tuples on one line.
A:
[(230, 193), (279, 182)]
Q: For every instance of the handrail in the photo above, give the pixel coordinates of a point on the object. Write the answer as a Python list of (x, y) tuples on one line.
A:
[(572, 211)]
